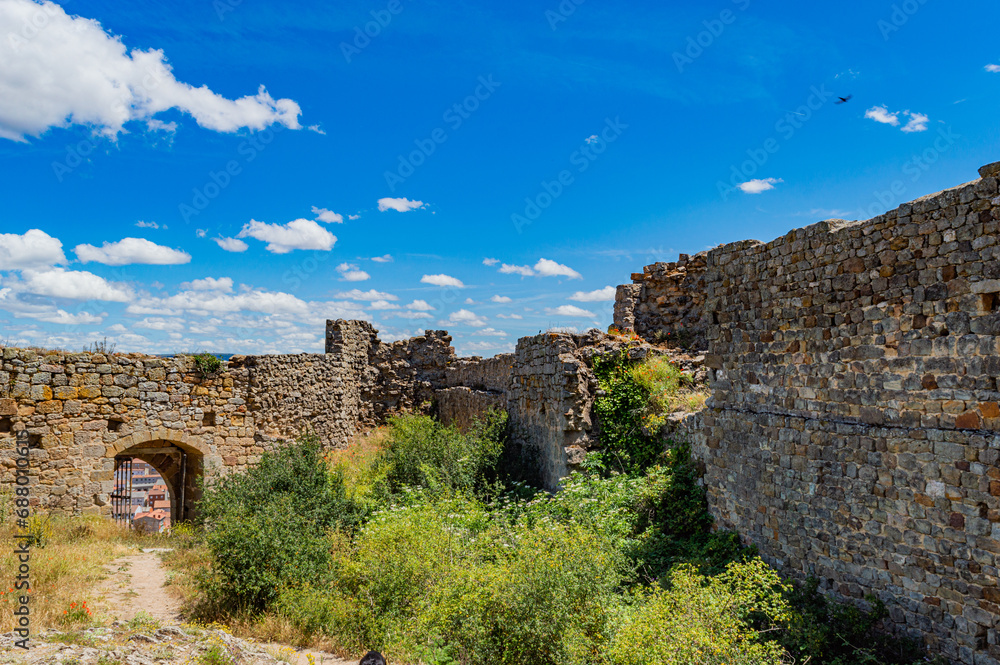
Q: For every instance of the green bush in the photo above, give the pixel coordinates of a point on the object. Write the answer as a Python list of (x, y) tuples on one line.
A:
[(827, 632), (267, 528), (535, 595), (424, 453), (704, 621), (207, 364), (619, 410)]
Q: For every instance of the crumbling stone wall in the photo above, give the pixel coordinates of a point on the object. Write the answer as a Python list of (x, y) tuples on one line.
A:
[(852, 432), (665, 298)]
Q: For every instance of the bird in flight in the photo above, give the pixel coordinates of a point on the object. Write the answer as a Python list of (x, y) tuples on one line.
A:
[(843, 100)]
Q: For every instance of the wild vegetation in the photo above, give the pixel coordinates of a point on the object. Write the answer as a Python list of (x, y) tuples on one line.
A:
[(415, 541), (418, 541)]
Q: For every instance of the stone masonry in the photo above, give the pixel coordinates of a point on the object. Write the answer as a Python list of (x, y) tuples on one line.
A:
[(853, 432)]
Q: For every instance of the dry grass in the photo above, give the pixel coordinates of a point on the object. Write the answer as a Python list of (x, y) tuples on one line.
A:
[(69, 569), (358, 461)]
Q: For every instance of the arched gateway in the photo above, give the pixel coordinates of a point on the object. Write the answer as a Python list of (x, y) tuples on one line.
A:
[(179, 458)]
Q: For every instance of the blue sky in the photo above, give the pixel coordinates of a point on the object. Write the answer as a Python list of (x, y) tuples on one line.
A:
[(226, 175)]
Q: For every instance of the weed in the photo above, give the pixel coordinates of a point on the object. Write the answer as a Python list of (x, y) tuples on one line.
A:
[(102, 346), (207, 364)]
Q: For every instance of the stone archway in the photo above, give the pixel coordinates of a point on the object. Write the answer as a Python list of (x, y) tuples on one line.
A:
[(179, 458)]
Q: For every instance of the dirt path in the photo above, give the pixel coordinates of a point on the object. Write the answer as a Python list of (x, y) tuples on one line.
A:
[(136, 583)]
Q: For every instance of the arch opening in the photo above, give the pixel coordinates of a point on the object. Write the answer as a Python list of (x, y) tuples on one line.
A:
[(179, 466)]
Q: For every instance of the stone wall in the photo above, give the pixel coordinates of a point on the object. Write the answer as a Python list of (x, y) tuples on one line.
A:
[(852, 431), (665, 298)]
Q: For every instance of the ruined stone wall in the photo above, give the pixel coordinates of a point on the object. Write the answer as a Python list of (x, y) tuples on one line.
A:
[(665, 298), (490, 374), (461, 406), (852, 432), (81, 409)]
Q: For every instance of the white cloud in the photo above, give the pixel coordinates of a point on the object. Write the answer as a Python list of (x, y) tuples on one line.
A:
[(328, 216), (490, 262), (74, 285), (160, 323), (881, 114), (420, 306), (214, 303), (570, 310), (224, 284), (232, 244), (917, 123), (117, 328), (383, 305), (399, 205), (353, 217), (465, 317), (491, 332), (372, 295), (600, 295), (442, 280), (592, 139), (993, 68), (385, 258), (351, 273), (33, 249), (481, 346), (523, 271), (131, 250), (501, 299), (148, 225), (62, 317), (73, 72), (547, 268), (283, 238), (43, 312), (756, 186), (510, 316), (413, 315)]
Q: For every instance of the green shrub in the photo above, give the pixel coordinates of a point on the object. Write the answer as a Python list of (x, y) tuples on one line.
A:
[(619, 410), (704, 621), (207, 364), (424, 453), (535, 595), (823, 631), (267, 528), (670, 391)]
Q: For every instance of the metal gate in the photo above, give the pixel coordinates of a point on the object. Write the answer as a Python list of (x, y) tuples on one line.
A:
[(121, 497)]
